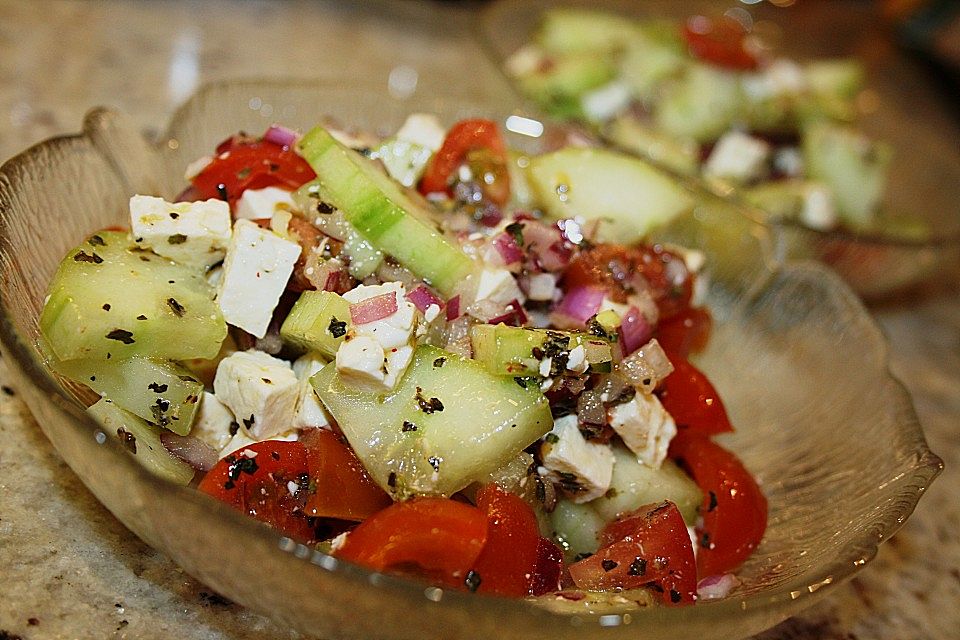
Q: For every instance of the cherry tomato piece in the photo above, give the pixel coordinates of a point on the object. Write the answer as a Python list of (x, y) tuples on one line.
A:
[(509, 559), (692, 401), (433, 538), (648, 546), (244, 163), (476, 142), (685, 333), (734, 510), (339, 485), (255, 480), (721, 42), (622, 270), (549, 568)]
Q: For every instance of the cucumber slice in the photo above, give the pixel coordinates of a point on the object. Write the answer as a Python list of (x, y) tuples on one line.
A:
[(381, 212), (634, 484), (108, 300), (318, 322), (630, 195), (576, 527), (142, 440), (647, 63), (162, 393), (448, 423), (851, 165), (681, 155), (701, 104), (518, 351), (568, 30)]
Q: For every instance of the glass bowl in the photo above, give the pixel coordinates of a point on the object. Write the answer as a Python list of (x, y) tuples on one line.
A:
[(900, 105), (829, 433)]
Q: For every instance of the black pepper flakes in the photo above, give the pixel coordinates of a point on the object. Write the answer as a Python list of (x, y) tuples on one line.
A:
[(337, 328), (472, 581), (609, 565), (705, 541), (141, 317), (106, 307), (248, 422), (83, 257), (96, 241), (713, 502), (521, 381), (177, 238), (156, 387), (176, 307), (638, 567), (8, 390), (435, 462), (426, 405), (439, 362), (121, 335), (408, 427), (174, 215), (324, 208), (392, 480), (233, 428), (675, 596)]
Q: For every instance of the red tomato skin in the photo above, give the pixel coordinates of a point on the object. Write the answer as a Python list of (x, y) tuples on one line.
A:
[(734, 509), (690, 398), (719, 42), (343, 489), (243, 163), (685, 333), (434, 538), (463, 138), (257, 485), (648, 546), (507, 564)]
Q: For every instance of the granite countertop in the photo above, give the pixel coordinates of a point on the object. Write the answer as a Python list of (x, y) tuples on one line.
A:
[(69, 569)]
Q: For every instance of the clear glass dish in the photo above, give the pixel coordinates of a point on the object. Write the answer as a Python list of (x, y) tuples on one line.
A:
[(829, 433), (899, 106)]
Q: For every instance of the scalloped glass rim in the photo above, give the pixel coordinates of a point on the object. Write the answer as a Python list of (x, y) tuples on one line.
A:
[(898, 262), (126, 489)]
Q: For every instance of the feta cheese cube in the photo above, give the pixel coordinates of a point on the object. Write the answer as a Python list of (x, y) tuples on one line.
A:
[(818, 210), (191, 233), (310, 412), (498, 286), (607, 101), (396, 329), (737, 156), (584, 468), (260, 390), (255, 272), (542, 286), (361, 362), (423, 129), (645, 427), (258, 204), (214, 423)]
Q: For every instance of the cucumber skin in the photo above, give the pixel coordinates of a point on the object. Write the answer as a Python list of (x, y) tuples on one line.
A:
[(485, 422), (379, 210), (133, 283), (507, 351), (307, 325)]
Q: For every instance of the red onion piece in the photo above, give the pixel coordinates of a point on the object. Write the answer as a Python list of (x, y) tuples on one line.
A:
[(719, 586), (280, 135), (453, 308), (634, 331), (194, 451), (646, 367), (373, 309), (581, 303), (506, 245), (422, 298), (546, 245), (513, 316)]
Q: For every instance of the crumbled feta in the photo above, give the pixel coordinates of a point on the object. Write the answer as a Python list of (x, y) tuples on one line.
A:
[(423, 129), (498, 286), (213, 422), (260, 390), (191, 233), (255, 272), (542, 286), (259, 204), (584, 468), (545, 366), (818, 210), (361, 362), (607, 101), (431, 313), (577, 359), (645, 427), (737, 156), (310, 412)]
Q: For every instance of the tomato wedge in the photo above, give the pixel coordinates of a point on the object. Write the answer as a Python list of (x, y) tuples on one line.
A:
[(476, 142), (734, 510), (243, 163), (433, 538), (692, 401), (508, 562), (549, 568), (340, 485), (648, 546), (720, 42), (255, 480), (685, 333)]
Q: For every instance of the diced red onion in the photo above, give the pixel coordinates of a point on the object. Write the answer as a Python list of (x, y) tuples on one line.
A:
[(581, 303), (546, 245), (514, 315), (422, 298), (453, 308), (646, 367), (590, 408), (373, 309), (718, 586), (280, 135), (506, 246), (194, 451), (634, 331)]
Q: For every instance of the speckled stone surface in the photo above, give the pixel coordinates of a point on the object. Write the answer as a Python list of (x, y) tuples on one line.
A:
[(69, 569)]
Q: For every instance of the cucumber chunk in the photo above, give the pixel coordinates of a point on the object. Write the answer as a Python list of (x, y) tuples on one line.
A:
[(702, 104), (518, 351), (109, 298), (162, 393), (567, 30), (576, 527), (318, 322), (142, 440), (448, 423), (381, 212), (631, 196)]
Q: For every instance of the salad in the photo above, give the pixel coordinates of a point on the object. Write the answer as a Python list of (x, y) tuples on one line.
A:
[(427, 354), (708, 97)]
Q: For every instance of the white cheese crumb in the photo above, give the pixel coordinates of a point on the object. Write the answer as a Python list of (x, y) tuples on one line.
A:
[(191, 233), (589, 463), (213, 422), (260, 390), (423, 129), (577, 360), (259, 204), (737, 156), (645, 427), (818, 210), (431, 313), (607, 101)]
